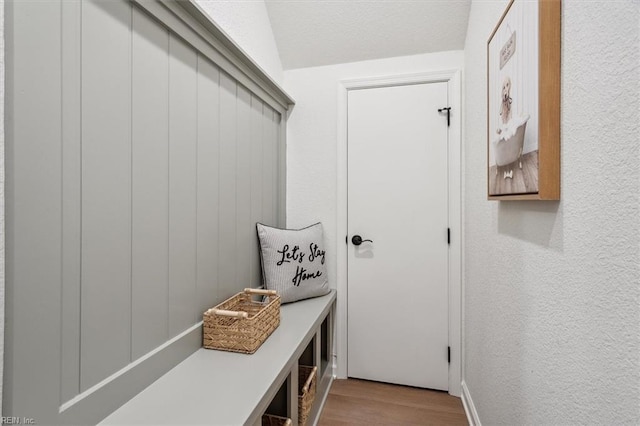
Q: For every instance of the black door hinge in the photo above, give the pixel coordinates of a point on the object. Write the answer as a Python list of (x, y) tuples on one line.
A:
[(346, 239), (449, 354), (449, 236), (448, 110)]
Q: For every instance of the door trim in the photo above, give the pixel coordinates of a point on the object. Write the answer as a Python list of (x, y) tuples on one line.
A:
[(453, 77)]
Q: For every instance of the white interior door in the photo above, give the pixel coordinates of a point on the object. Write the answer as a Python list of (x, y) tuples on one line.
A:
[(397, 197)]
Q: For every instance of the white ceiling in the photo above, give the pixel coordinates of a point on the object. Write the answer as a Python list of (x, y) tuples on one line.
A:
[(323, 32)]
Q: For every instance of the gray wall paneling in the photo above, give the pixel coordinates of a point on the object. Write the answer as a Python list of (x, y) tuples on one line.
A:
[(268, 191), (33, 210), (282, 168), (150, 185), (71, 198), (256, 185), (245, 230), (227, 197), (106, 190), (208, 185), (131, 205), (182, 185), (275, 151)]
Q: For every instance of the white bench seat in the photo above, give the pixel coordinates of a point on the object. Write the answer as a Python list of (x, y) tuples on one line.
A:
[(224, 388)]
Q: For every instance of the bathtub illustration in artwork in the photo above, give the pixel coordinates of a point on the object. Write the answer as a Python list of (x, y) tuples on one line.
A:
[(507, 148)]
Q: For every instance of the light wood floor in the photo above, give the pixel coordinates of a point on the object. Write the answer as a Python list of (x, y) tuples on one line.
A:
[(361, 402), (525, 179)]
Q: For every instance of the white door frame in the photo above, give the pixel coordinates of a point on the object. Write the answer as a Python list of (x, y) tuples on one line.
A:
[(453, 77)]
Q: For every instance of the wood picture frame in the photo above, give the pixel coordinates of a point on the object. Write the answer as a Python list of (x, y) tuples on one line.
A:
[(523, 102)]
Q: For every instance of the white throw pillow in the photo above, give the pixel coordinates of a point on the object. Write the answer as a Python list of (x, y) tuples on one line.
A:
[(293, 261)]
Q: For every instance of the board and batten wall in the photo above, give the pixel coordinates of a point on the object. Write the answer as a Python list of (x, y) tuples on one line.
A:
[(139, 159)]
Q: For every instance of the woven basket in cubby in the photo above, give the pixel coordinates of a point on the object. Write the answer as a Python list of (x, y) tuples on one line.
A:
[(307, 379), (271, 420)]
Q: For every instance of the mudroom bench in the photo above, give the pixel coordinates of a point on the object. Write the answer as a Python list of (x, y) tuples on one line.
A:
[(224, 388)]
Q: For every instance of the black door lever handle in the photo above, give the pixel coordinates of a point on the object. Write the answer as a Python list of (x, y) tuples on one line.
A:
[(357, 240)]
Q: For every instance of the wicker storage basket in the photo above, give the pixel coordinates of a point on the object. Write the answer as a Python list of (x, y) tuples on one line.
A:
[(307, 378), (241, 324), (271, 420)]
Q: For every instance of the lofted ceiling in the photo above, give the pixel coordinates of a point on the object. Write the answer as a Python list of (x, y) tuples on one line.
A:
[(322, 32)]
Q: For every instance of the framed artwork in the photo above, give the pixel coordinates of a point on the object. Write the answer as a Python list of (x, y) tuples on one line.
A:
[(523, 102)]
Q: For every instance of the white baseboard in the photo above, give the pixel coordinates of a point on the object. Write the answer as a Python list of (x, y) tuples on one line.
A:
[(469, 407)]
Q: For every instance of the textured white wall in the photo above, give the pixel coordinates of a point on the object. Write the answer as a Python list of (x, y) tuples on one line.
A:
[(312, 134), (247, 23), (552, 289)]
